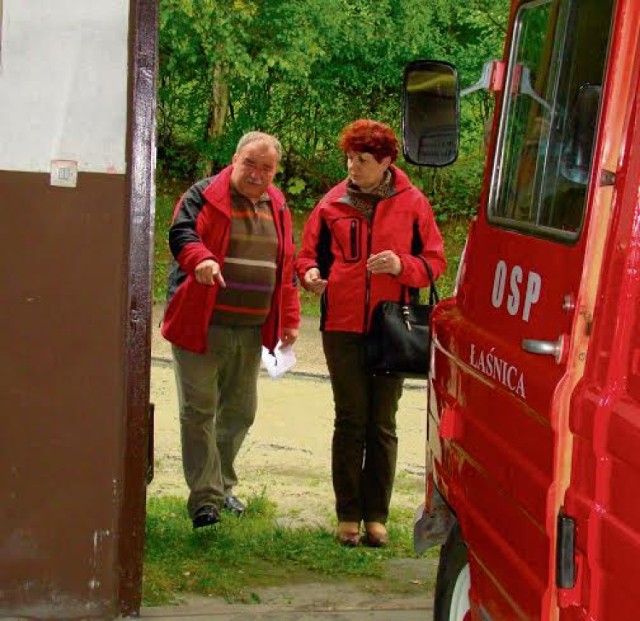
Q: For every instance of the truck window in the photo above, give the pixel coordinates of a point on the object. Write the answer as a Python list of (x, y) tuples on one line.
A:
[(549, 117)]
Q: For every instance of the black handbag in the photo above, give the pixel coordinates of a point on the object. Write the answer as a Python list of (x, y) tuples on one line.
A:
[(399, 338)]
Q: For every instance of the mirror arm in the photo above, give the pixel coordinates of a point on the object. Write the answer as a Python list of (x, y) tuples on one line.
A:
[(492, 78)]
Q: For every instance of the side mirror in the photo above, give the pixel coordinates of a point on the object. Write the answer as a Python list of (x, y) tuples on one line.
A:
[(575, 162), (431, 115)]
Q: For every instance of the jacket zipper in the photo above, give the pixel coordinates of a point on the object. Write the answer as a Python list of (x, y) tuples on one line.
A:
[(220, 261), (367, 290), (354, 244), (276, 324)]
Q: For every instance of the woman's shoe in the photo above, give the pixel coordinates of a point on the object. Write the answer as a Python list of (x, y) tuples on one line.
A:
[(376, 535), (348, 534)]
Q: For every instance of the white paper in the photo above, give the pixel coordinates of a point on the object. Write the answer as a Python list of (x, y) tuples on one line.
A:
[(278, 363)]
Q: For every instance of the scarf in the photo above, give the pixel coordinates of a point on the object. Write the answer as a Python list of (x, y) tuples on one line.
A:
[(364, 202)]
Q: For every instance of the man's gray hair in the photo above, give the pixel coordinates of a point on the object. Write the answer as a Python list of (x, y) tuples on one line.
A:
[(250, 137)]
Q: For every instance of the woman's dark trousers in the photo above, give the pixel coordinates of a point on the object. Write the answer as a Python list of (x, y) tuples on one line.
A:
[(365, 445)]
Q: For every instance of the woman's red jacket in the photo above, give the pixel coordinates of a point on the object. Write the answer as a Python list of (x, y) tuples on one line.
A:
[(338, 239)]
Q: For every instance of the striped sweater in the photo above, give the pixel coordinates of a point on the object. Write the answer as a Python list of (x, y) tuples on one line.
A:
[(250, 265)]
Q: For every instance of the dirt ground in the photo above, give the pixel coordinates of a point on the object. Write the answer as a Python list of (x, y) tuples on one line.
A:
[(286, 456), (287, 452)]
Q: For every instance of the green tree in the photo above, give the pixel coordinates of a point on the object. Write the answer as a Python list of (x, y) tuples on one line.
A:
[(302, 69)]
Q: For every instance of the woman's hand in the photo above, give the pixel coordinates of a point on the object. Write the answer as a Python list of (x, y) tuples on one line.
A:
[(313, 282), (385, 262)]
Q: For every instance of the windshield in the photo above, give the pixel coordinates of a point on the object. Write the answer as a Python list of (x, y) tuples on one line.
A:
[(549, 117)]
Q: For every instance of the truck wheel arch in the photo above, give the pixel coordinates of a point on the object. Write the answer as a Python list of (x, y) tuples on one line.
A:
[(453, 580)]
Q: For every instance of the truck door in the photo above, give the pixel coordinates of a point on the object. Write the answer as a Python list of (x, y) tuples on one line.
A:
[(501, 344), (602, 505)]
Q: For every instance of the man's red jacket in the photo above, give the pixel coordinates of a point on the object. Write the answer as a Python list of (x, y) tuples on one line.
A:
[(200, 230)]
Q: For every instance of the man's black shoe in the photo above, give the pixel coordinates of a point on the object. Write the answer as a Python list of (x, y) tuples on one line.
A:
[(234, 505), (205, 516)]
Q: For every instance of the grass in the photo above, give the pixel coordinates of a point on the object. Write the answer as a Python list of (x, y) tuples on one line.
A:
[(165, 203), (454, 233), (237, 556)]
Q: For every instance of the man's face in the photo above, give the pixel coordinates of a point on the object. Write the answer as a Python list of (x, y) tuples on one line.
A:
[(254, 168)]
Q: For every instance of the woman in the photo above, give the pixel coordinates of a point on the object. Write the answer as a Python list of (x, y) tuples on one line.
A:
[(367, 238)]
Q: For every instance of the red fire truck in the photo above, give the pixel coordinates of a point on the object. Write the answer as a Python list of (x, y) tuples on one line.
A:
[(533, 483)]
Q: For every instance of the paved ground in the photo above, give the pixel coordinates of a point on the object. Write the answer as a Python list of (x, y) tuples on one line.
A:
[(197, 614), (346, 601), (336, 602)]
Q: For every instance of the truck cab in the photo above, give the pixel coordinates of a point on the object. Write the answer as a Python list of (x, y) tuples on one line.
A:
[(533, 433)]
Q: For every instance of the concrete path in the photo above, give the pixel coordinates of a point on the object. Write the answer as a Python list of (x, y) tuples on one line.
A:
[(301, 615), (336, 601)]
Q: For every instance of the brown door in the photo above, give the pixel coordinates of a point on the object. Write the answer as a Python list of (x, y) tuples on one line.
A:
[(76, 190)]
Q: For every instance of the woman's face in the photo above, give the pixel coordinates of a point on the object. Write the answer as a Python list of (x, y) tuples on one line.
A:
[(365, 170)]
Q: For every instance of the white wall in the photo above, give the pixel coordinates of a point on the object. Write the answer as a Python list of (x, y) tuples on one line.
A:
[(63, 84)]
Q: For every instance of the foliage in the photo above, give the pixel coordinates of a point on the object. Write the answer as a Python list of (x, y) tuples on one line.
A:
[(161, 254), (303, 69), (454, 233), (238, 555), (456, 189)]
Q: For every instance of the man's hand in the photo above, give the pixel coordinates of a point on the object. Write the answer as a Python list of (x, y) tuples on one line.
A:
[(385, 262), (313, 282), (289, 336), (208, 273)]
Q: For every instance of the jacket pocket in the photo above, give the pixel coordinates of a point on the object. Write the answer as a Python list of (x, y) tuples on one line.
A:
[(347, 234)]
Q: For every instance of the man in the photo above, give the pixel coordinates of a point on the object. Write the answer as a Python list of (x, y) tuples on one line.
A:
[(231, 290)]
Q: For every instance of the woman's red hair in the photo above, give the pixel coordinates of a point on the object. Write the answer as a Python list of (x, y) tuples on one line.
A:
[(366, 136)]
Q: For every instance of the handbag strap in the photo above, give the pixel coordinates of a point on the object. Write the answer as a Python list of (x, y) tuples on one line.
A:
[(414, 297), (434, 298)]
